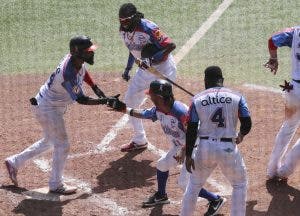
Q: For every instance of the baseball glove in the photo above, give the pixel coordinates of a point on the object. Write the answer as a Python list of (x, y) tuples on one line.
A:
[(149, 50)]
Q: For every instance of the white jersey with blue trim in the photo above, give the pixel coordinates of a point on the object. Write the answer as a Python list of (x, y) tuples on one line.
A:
[(172, 123), (63, 86), (146, 32), (218, 110)]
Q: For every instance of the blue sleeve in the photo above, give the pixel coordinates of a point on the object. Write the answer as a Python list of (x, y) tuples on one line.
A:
[(130, 61), (149, 114), (283, 38), (70, 89), (193, 115), (243, 108)]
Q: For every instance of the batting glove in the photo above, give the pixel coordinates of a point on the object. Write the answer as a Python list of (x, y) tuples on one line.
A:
[(125, 75), (287, 86)]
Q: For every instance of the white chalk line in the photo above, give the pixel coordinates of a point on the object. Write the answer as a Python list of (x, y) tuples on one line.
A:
[(185, 49), (262, 88)]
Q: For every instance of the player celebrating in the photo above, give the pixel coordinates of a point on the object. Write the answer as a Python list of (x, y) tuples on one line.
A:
[(213, 118), (172, 115), (289, 37), (63, 87), (137, 32)]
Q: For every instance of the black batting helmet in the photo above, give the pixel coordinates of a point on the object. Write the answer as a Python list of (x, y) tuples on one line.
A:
[(81, 44), (161, 87)]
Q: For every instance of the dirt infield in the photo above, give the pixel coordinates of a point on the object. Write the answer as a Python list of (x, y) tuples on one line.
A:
[(115, 183)]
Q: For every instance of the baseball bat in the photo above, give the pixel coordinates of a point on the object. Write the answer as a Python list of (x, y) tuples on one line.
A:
[(144, 65)]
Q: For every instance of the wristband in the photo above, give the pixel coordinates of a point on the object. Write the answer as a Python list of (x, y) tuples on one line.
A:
[(129, 111), (273, 58)]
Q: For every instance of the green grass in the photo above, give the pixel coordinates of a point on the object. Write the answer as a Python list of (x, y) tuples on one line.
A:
[(35, 34), (238, 42)]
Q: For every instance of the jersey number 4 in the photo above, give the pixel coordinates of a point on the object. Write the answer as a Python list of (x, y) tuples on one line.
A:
[(218, 117)]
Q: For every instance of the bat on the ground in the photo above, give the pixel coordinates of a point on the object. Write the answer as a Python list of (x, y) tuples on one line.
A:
[(144, 65)]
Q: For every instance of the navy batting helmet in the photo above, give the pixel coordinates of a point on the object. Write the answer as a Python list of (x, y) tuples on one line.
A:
[(81, 44), (161, 87)]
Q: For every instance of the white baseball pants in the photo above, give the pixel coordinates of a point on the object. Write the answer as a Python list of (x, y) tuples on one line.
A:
[(136, 94), (208, 155), (55, 136), (284, 137)]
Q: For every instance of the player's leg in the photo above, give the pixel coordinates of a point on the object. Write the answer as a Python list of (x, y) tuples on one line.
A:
[(162, 173), (291, 161), (134, 97), (203, 168), (60, 153), (233, 167), (282, 140), (183, 181), (14, 162)]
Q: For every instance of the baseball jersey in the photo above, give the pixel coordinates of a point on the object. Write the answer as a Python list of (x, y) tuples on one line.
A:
[(217, 109), (145, 32), (290, 37), (63, 86), (172, 123)]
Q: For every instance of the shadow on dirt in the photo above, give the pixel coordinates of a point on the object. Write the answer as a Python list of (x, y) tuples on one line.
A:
[(285, 201), (30, 207), (126, 173)]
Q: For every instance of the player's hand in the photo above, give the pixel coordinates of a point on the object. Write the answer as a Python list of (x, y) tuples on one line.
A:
[(239, 138), (125, 75), (189, 163), (98, 91), (272, 64), (179, 157)]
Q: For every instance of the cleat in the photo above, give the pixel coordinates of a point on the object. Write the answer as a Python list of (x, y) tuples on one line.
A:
[(215, 206), (277, 179), (156, 199), (64, 190), (12, 172), (133, 146)]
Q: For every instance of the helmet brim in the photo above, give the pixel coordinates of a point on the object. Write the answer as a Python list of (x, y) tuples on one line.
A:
[(92, 48)]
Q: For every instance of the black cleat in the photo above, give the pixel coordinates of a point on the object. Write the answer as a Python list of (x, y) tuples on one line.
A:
[(215, 206), (156, 199)]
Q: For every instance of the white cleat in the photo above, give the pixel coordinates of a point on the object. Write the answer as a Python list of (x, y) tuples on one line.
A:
[(64, 190)]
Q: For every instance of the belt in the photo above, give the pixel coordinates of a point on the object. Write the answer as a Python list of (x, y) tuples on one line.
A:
[(221, 139), (297, 81)]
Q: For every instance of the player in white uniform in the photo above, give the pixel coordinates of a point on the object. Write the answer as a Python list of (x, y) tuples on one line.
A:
[(136, 32), (172, 115), (63, 87), (276, 169), (213, 118)]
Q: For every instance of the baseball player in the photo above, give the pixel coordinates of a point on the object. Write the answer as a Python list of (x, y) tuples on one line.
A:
[(137, 32), (172, 115), (276, 169), (63, 87), (213, 118)]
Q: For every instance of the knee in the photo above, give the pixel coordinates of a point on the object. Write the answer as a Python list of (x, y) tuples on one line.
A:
[(162, 165), (63, 145)]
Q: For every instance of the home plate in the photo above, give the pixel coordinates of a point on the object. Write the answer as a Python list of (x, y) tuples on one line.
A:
[(42, 194)]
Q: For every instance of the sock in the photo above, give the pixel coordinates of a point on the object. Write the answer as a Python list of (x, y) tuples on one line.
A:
[(208, 195), (162, 178)]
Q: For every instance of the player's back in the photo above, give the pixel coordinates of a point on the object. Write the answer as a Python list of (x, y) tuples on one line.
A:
[(52, 93), (217, 110)]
